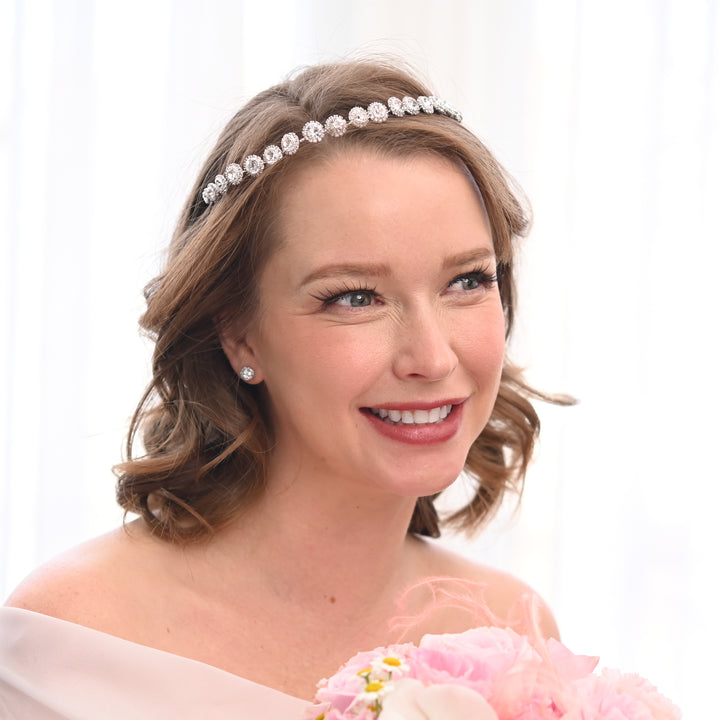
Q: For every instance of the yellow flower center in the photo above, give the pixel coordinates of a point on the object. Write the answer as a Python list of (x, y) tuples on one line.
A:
[(374, 686), (392, 661)]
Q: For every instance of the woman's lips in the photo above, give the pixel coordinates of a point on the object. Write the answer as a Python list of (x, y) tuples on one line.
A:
[(417, 424)]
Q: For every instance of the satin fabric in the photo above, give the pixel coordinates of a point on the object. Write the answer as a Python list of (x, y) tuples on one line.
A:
[(55, 670)]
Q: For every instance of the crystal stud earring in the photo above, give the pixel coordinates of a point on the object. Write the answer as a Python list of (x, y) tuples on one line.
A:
[(247, 373)]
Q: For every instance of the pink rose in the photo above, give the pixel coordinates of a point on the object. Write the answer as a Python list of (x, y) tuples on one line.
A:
[(411, 700)]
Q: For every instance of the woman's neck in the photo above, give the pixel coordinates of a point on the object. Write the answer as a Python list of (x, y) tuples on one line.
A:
[(310, 543)]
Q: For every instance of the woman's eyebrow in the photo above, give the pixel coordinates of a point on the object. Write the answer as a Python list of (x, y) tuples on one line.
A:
[(347, 269), (382, 270), (464, 258)]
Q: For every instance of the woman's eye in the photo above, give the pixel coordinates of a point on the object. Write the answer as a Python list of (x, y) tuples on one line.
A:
[(467, 282), (356, 298), (472, 281), (347, 298)]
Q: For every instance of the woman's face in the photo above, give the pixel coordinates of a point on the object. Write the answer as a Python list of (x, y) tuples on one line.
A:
[(380, 336)]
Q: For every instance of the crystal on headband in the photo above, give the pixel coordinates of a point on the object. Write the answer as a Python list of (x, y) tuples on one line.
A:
[(221, 184), (396, 107), (314, 131), (358, 117), (335, 125), (411, 106), (377, 112), (426, 104), (290, 143), (234, 173), (254, 165), (210, 194), (445, 108), (271, 154)]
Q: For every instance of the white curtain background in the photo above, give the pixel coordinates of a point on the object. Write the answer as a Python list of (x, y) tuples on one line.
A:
[(606, 111)]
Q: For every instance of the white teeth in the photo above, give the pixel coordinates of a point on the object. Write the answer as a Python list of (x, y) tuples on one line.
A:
[(421, 416), (413, 417)]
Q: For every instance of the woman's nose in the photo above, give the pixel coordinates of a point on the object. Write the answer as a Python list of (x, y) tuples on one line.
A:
[(423, 348)]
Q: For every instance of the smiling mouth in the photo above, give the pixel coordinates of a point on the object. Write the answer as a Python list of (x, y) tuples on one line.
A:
[(433, 416)]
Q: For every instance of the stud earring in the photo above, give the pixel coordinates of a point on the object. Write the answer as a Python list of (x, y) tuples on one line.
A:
[(246, 373)]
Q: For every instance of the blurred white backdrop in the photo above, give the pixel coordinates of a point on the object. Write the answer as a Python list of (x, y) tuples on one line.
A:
[(606, 112)]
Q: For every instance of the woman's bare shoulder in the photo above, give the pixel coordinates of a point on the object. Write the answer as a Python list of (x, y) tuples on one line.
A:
[(509, 599), (88, 584)]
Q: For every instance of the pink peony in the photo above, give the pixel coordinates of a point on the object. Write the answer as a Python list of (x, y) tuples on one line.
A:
[(646, 692), (566, 664), (475, 658), (501, 665), (615, 696)]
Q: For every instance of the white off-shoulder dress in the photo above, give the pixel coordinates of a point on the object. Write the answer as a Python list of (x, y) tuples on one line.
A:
[(55, 670)]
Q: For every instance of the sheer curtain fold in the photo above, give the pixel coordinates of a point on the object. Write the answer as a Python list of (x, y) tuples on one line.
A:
[(608, 116)]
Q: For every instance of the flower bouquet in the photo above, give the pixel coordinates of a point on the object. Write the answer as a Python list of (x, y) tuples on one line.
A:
[(485, 674)]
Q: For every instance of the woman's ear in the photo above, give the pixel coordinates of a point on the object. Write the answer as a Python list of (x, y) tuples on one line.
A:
[(239, 351)]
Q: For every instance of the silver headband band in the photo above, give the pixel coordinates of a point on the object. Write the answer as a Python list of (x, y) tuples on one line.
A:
[(314, 131)]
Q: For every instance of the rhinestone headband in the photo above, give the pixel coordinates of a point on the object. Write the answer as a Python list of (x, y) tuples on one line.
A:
[(314, 132)]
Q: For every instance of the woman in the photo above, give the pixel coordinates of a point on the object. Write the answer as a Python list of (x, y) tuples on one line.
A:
[(330, 355)]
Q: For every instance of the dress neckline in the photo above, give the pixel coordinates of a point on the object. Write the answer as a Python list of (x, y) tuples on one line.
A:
[(48, 621)]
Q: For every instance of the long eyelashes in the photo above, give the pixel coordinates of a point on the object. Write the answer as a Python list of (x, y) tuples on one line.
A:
[(345, 291), (481, 277), (363, 295)]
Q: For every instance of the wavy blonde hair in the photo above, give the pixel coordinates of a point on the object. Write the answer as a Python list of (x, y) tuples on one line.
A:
[(205, 434)]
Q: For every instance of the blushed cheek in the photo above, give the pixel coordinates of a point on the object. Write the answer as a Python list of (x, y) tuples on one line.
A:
[(497, 341), (486, 350), (352, 357)]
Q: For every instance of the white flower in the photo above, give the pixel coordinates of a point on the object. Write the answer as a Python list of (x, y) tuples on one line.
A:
[(411, 700), (386, 667), (373, 695)]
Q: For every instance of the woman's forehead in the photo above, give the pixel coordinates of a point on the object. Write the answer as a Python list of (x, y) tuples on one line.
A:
[(360, 204), (364, 184)]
